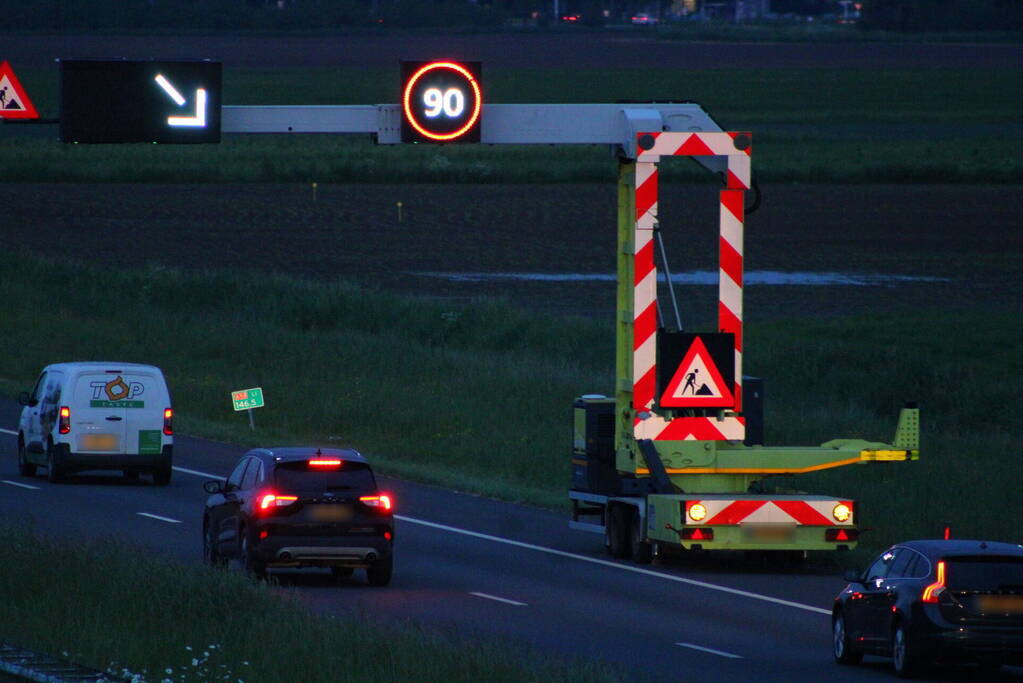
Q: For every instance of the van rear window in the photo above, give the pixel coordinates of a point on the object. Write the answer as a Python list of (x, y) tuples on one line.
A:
[(299, 475), (98, 390), (985, 573)]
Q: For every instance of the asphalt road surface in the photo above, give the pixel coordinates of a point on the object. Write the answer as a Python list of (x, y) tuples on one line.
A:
[(485, 567)]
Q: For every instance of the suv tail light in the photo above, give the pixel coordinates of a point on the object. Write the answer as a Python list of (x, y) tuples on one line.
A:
[(932, 592), (271, 500), (381, 502), (64, 426), (168, 416)]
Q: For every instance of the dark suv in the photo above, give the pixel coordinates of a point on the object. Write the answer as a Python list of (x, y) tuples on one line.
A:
[(301, 507), (922, 601)]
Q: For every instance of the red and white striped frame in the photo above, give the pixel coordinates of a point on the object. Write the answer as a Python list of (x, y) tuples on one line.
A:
[(736, 148)]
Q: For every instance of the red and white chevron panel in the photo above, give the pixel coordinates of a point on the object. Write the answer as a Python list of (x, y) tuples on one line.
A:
[(730, 279), (786, 511)]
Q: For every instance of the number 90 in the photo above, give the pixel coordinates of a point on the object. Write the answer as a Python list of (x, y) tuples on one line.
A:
[(451, 102)]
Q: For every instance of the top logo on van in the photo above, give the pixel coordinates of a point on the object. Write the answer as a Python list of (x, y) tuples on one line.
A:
[(119, 394)]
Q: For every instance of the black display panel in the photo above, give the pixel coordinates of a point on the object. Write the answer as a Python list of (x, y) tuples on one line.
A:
[(175, 102), (441, 101)]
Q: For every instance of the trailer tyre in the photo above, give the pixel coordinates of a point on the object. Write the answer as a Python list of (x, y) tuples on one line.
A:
[(618, 532), (640, 551)]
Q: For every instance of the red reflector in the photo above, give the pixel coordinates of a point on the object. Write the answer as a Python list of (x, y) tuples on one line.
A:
[(698, 534), (948, 532), (263, 534), (387, 535), (834, 535), (325, 463)]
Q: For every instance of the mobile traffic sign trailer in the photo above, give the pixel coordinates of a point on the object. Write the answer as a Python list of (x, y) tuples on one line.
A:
[(673, 457)]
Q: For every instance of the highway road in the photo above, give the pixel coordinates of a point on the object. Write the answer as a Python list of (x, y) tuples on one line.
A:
[(481, 566)]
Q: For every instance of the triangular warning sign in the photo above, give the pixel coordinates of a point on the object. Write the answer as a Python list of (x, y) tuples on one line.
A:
[(14, 102), (697, 383)]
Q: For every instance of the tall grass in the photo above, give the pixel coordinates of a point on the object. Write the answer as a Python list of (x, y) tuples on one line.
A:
[(190, 623), (809, 125), (477, 396)]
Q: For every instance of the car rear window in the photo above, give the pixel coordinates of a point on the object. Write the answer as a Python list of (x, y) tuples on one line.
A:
[(985, 573), (299, 475)]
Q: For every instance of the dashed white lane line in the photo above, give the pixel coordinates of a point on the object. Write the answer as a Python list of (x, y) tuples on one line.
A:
[(162, 519), (591, 560), (8, 431), (506, 601), (19, 484), (719, 653)]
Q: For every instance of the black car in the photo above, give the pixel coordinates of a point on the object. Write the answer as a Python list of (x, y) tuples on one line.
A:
[(301, 507), (926, 601)]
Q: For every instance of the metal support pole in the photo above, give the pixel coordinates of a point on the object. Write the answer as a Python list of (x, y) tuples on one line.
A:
[(252, 420), (667, 274)]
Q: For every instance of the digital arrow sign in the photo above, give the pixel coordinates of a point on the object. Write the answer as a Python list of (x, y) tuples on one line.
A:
[(114, 101), (441, 101)]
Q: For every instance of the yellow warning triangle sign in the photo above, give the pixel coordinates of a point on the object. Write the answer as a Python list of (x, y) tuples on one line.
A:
[(697, 383), (14, 102)]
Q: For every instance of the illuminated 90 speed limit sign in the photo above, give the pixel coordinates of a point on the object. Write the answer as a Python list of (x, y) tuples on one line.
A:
[(441, 101)]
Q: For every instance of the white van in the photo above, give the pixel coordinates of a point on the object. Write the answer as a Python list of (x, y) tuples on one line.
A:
[(97, 416)]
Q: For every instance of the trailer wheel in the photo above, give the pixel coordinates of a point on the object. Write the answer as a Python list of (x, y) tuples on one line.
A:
[(617, 532), (640, 550)]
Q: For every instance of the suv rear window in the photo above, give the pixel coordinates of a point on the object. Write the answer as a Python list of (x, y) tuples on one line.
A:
[(299, 475), (985, 573)]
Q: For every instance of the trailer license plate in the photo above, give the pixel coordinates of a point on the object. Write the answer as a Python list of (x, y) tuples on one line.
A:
[(1001, 604), (331, 513), (98, 442), (770, 534)]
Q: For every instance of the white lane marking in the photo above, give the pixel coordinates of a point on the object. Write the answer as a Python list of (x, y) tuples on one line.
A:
[(591, 560), (504, 600), (720, 653), (8, 431), (16, 483), (615, 565), (162, 519), (196, 472)]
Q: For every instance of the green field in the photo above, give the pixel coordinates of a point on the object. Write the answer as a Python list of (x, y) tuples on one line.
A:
[(477, 397), (896, 125), (199, 624)]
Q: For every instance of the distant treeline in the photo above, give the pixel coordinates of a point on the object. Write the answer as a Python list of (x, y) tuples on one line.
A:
[(909, 16), (65, 15)]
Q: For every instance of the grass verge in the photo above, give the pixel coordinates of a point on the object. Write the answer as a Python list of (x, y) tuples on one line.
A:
[(201, 624), (478, 397)]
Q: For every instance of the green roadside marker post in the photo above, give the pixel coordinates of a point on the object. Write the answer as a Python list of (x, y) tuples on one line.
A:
[(247, 399)]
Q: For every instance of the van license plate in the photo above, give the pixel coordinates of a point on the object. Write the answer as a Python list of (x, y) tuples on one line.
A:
[(331, 513), (98, 442)]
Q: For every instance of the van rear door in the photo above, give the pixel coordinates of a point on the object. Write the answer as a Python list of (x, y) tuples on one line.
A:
[(99, 412)]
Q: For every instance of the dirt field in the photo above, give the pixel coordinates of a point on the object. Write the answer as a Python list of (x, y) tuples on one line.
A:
[(966, 235), (571, 49)]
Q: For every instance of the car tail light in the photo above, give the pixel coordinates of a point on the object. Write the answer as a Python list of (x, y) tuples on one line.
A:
[(269, 500), (168, 416), (834, 535), (381, 502), (64, 426), (932, 592), (698, 534), (333, 462)]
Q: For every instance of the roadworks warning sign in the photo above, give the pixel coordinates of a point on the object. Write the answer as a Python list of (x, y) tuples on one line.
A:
[(697, 383), (14, 101)]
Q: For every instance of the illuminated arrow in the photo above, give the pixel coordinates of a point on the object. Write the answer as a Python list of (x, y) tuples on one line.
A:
[(197, 121)]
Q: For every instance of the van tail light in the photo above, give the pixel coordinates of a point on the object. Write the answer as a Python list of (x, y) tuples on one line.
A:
[(168, 417), (64, 426), (698, 534), (272, 500), (932, 592), (381, 502)]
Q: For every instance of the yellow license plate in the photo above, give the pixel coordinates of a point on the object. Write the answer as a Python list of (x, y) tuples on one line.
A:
[(331, 513), (1001, 604), (769, 534), (99, 442)]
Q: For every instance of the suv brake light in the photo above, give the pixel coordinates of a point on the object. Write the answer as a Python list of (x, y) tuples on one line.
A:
[(932, 592), (333, 462), (168, 427), (382, 502), (268, 500), (64, 426)]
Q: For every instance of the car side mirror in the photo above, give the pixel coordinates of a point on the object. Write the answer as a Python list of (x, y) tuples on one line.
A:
[(213, 487), (853, 576)]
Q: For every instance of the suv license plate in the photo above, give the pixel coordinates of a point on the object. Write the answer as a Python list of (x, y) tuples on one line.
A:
[(1001, 604), (331, 513), (98, 442)]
